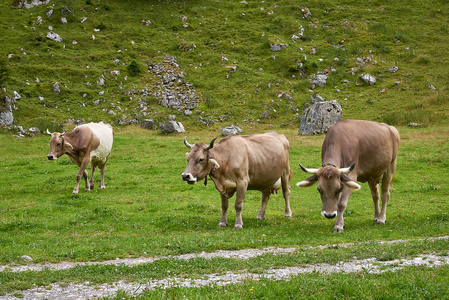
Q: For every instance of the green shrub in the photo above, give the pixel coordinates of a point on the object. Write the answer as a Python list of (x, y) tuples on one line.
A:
[(134, 68), (4, 73)]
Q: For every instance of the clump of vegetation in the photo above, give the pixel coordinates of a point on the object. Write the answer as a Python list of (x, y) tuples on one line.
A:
[(134, 68), (4, 72)]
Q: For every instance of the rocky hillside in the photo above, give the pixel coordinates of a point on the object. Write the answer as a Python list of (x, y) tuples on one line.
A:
[(213, 63)]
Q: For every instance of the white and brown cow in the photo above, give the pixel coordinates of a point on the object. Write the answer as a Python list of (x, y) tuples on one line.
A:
[(87, 143), (355, 150), (241, 163)]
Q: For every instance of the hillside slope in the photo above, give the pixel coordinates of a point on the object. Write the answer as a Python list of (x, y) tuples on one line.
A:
[(224, 53)]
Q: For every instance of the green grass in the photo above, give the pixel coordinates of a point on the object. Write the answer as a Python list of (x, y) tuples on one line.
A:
[(147, 210), (407, 34)]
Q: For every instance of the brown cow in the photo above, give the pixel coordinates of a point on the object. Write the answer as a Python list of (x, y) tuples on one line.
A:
[(241, 163), (86, 143), (355, 150)]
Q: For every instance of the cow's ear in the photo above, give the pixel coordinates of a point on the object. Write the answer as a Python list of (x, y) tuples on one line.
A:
[(308, 182), (349, 183), (214, 162), (187, 154)]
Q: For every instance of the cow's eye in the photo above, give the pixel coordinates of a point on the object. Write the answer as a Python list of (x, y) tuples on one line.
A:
[(341, 188), (319, 190), (58, 144), (201, 160)]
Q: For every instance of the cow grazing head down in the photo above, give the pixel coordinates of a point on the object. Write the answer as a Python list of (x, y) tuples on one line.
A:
[(200, 162), (58, 145), (331, 181)]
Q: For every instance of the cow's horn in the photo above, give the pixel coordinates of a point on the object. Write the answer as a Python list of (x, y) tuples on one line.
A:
[(61, 134), (48, 132), (347, 170), (211, 145), (186, 143), (311, 171)]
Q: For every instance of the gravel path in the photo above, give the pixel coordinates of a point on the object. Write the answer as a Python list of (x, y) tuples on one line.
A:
[(88, 291)]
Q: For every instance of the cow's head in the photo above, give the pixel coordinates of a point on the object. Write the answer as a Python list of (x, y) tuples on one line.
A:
[(200, 162), (331, 181), (58, 145)]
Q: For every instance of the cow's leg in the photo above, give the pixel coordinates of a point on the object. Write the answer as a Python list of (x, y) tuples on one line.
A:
[(386, 188), (286, 192), (224, 211), (82, 173), (102, 169), (240, 197), (342, 202), (374, 187), (92, 181), (263, 205)]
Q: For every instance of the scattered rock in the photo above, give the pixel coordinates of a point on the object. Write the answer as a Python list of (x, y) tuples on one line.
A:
[(56, 88), (306, 13), (34, 130), (231, 130), (172, 90), (318, 117), (414, 124), (171, 127), (393, 69), (100, 81), (30, 3), (6, 116), (277, 47), (146, 22), (16, 96), (368, 79), (26, 258), (148, 124), (432, 87), (187, 46), (318, 80), (54, 36)]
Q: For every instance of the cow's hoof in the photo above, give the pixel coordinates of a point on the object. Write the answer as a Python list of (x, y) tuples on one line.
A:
[(102, 187), (238, 226), (338, 229), (379, 222), (221, 224), (91, 187), (288, 215), (87, 190), (75, 192), (260, 218)]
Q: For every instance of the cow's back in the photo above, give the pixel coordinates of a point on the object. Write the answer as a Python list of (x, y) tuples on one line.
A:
[(373, 146), (105, 134), (263, 157)]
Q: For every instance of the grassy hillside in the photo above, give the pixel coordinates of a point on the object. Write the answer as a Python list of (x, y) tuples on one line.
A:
[(350, 38)]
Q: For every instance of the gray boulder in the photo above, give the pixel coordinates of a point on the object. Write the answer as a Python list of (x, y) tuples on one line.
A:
[(393, 69), (277, 47), (231, 130), (368, 79), (34, 131), (318, 80), (317, 119), (148, 124), (56, 88), (54, 36), (171, 127), (6, 117), (29, 3)]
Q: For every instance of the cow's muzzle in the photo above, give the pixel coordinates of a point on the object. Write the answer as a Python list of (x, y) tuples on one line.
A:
[(330, 215), (189, 178), (51, 157)]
